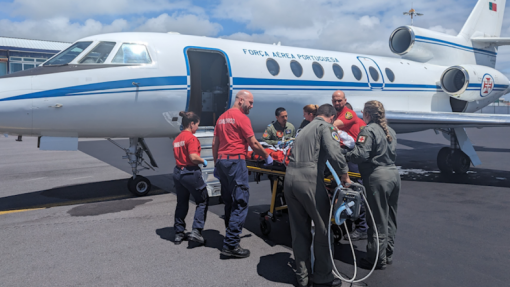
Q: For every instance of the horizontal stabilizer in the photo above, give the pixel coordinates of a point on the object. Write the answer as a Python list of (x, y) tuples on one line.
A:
[(494, 41)]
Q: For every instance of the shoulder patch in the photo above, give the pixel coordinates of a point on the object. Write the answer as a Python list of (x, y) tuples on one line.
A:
[(362, 139), (335, 136), (287, 132), (348, 115), (265, 135), (362, 127)]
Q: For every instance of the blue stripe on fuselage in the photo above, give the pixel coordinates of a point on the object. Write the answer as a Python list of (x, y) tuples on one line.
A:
[(70, 91)]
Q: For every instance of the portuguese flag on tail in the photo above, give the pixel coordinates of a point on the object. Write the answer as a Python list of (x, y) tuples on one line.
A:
[(493, 7)]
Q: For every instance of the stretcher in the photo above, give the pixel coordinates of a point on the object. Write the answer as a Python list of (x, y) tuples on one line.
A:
[(277, 196)]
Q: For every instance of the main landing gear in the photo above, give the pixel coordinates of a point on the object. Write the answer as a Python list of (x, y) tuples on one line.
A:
[(453, 159), (138, 185)]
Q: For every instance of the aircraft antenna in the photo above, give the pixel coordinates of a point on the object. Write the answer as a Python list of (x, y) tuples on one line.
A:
[(412, 13)]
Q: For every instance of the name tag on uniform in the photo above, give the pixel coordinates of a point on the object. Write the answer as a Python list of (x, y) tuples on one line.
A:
[(287, 132)]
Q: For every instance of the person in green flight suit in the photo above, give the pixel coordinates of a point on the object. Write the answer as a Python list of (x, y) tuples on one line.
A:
[(280, 129), (375, 154)]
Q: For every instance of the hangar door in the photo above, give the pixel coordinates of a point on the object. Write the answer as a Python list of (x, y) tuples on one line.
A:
[(210, 84)]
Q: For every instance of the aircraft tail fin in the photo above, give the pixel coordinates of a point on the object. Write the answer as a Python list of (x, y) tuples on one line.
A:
[(485, 20)]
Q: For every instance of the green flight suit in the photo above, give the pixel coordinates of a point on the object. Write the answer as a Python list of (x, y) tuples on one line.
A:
[(375, 157), (275, 133), (307, 198)]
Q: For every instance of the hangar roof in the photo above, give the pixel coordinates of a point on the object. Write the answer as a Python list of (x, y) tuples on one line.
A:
[(8, 43)]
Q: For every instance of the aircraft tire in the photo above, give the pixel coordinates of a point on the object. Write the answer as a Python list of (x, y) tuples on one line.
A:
[(139, 186), (460, 162), (444, 160)]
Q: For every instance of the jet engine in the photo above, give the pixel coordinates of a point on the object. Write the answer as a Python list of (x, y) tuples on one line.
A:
[(473, 82), (426, 46)]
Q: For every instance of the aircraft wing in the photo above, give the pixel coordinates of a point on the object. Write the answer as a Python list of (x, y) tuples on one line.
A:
[(403, 122)]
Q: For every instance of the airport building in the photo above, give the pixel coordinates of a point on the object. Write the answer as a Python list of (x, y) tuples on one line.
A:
[(23, 54)]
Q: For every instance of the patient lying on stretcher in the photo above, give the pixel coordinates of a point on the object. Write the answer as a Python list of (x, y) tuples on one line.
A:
[(281, 152)]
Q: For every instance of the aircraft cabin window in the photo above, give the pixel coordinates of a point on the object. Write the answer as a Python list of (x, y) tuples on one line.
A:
[(339, 72), (296, 68), (390, 75), (356, 72), (68, 54), (132, 54), (318, 70), (273, 67), (99, 54), (374, 74)]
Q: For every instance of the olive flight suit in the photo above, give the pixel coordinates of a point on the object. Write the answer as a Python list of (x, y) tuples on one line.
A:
[(275, 133), (307, 197), (375, 157)]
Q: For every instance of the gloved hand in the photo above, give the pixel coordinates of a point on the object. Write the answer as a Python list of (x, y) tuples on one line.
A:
[(205, 163), (269, 160), (216, 175)]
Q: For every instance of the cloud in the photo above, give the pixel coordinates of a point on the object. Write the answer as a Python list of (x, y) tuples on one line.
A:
[(185, 24), (59, 29), (79, 9), (369, 21)]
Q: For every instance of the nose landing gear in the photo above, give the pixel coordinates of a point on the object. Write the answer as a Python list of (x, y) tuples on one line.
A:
[(138, 185)]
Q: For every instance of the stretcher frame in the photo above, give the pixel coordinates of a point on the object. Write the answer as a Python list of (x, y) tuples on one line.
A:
[(266, 217)]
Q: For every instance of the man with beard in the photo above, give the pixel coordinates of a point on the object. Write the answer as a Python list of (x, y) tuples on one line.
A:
[(232, 135), (346, 118)]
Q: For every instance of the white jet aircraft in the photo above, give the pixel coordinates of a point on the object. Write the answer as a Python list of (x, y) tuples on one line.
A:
[(132, 85)]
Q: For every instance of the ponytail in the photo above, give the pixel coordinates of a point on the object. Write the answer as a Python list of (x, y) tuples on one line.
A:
[(375, 110), (188, 118)]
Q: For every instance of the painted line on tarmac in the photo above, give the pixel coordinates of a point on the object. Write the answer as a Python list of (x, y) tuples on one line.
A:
[(19, 210), (66, 203)]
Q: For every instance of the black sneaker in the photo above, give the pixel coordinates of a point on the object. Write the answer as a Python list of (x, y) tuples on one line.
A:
[(389, 260), (335, 283), (196, 235), (238, 252), (365, 264), (356, 235), (179, 237)]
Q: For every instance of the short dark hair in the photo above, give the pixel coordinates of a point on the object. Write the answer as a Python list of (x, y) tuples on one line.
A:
[(279, 111), (326, 110), (188, 118), (348, 106)]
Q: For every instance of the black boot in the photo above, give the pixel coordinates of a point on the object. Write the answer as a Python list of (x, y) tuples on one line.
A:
[(238, 252), (196, 235), (179, 237)]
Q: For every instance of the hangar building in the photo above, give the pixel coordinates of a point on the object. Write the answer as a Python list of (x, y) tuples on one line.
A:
[(23, 54)]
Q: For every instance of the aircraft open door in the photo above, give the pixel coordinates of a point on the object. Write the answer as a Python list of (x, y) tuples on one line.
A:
[(209, 79)]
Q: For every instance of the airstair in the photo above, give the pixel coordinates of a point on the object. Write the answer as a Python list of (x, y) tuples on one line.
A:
[(205, 136)]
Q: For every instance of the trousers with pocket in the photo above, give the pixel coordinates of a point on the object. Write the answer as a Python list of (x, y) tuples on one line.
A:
[(235, 194), (188, 181)]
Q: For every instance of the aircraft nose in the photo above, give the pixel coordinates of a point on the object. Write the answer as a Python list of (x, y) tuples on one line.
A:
[(15, 109)]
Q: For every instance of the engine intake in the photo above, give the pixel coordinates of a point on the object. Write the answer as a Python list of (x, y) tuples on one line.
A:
[(455, 80), (402, 40)]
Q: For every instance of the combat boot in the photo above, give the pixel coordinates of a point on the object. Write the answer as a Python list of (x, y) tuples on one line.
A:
[(196, 235), (238, 252), (179, 237)]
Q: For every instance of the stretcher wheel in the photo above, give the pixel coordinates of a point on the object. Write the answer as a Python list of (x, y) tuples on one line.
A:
[(265, 227)]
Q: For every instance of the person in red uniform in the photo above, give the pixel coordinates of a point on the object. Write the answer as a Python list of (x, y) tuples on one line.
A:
[(346, 118), (349, 122), (188, 180), (232, 136)]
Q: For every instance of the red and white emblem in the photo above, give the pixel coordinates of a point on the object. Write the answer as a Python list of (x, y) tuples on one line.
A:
[(487, 85), (362, 139)]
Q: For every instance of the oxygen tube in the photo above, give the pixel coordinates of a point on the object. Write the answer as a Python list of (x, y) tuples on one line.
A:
[(335, 270)]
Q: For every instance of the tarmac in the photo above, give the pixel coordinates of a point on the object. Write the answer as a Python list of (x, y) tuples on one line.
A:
[(67, 219)]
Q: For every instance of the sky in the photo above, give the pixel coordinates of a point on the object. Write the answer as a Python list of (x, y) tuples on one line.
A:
[(340, 25)]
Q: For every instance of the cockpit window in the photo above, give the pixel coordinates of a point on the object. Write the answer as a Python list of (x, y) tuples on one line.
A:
[(68, 54), (132, 54), (99, 54)]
